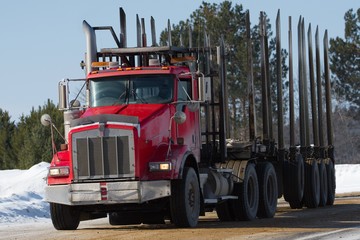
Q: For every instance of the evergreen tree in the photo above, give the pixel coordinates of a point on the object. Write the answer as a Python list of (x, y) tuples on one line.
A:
[(32, 141), (345, 58), (7, 128), (228, 20)]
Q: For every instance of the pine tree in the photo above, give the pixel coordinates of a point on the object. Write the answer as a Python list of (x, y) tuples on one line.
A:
[(32, 141), (345, 59), (228, 20), (7, 128)]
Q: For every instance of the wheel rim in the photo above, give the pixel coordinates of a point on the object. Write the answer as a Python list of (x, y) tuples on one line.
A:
[(191, 197)]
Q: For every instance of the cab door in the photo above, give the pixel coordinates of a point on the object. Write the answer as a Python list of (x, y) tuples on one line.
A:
[(189, 131)]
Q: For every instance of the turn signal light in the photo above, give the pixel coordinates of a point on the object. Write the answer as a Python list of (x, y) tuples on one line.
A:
[(159, 166)]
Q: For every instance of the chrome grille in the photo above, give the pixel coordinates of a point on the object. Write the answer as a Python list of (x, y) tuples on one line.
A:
[(103, 157)]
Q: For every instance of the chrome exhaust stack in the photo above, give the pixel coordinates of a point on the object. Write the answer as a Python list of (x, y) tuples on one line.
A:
[(91, 47)]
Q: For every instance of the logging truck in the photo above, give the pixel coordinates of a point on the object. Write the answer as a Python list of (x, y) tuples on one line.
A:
[(151, 144)]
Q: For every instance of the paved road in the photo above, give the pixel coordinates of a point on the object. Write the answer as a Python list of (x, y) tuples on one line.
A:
[(341, 221)]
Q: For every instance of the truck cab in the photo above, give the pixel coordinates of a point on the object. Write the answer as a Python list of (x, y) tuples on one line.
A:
[(138, 132)]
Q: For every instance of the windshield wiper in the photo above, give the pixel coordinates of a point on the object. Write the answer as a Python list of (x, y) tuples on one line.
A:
[(118, 100), (137, 96)]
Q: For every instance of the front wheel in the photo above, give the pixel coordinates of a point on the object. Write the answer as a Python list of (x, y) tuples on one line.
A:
[(64, 217), (185, 199)]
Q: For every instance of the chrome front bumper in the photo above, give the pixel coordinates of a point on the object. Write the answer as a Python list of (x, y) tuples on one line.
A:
[(107, 192)]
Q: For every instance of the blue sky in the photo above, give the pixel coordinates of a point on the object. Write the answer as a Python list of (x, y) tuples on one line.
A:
[(42, 41)]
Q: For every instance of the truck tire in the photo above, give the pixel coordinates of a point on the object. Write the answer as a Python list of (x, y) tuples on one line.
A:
[(268, 190), (64, 217), (246, 206), (295, 178), (312, 184), (224, 211), (330, 169), (323, 184), (185, 199), (286, 181)]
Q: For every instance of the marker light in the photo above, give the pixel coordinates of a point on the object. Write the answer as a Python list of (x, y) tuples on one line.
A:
[(182, 59), (105, 64), (59, 171), (159, 166)]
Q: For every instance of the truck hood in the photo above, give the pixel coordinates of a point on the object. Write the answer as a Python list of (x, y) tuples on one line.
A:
[(142, 111)]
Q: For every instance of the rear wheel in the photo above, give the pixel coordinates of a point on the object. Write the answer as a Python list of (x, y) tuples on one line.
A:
[(312, 184), (323, 184), (268, 190), (295, 181), (185, 199), (246, 206), (330, 169), (64, 217)]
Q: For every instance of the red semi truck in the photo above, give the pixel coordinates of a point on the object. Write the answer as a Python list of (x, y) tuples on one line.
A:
[(151, 143)]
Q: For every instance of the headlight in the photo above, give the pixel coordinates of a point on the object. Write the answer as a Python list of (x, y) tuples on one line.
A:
[(59, 171)]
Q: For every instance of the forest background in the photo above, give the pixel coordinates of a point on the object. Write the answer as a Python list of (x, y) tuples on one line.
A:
[(25, 142)]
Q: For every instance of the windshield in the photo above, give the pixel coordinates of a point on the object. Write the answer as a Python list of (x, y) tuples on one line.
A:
[(131, 89)]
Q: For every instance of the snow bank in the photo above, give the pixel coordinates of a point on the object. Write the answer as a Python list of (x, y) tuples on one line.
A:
[(347, 178), (22, 191)]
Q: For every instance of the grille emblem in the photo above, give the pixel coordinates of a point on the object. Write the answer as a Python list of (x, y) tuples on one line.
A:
[(101, 129), (103, 190)]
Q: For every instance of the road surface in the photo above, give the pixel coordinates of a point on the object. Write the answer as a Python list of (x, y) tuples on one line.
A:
[(341, 221)]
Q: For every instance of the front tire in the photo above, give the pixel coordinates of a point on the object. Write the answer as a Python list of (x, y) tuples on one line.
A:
[(64, 217), (185, 199)]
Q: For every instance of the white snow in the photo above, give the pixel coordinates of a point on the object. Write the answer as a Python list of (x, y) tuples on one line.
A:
[(347, 178), (22, 192)]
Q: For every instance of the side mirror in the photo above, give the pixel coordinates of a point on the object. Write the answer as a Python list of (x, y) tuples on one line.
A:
[(179, 117), (75, 104), (45, 120)]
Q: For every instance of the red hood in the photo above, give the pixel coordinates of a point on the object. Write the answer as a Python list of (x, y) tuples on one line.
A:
[(142, 111)]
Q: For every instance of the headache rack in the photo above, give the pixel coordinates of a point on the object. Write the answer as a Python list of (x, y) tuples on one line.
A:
[(140, 55)]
